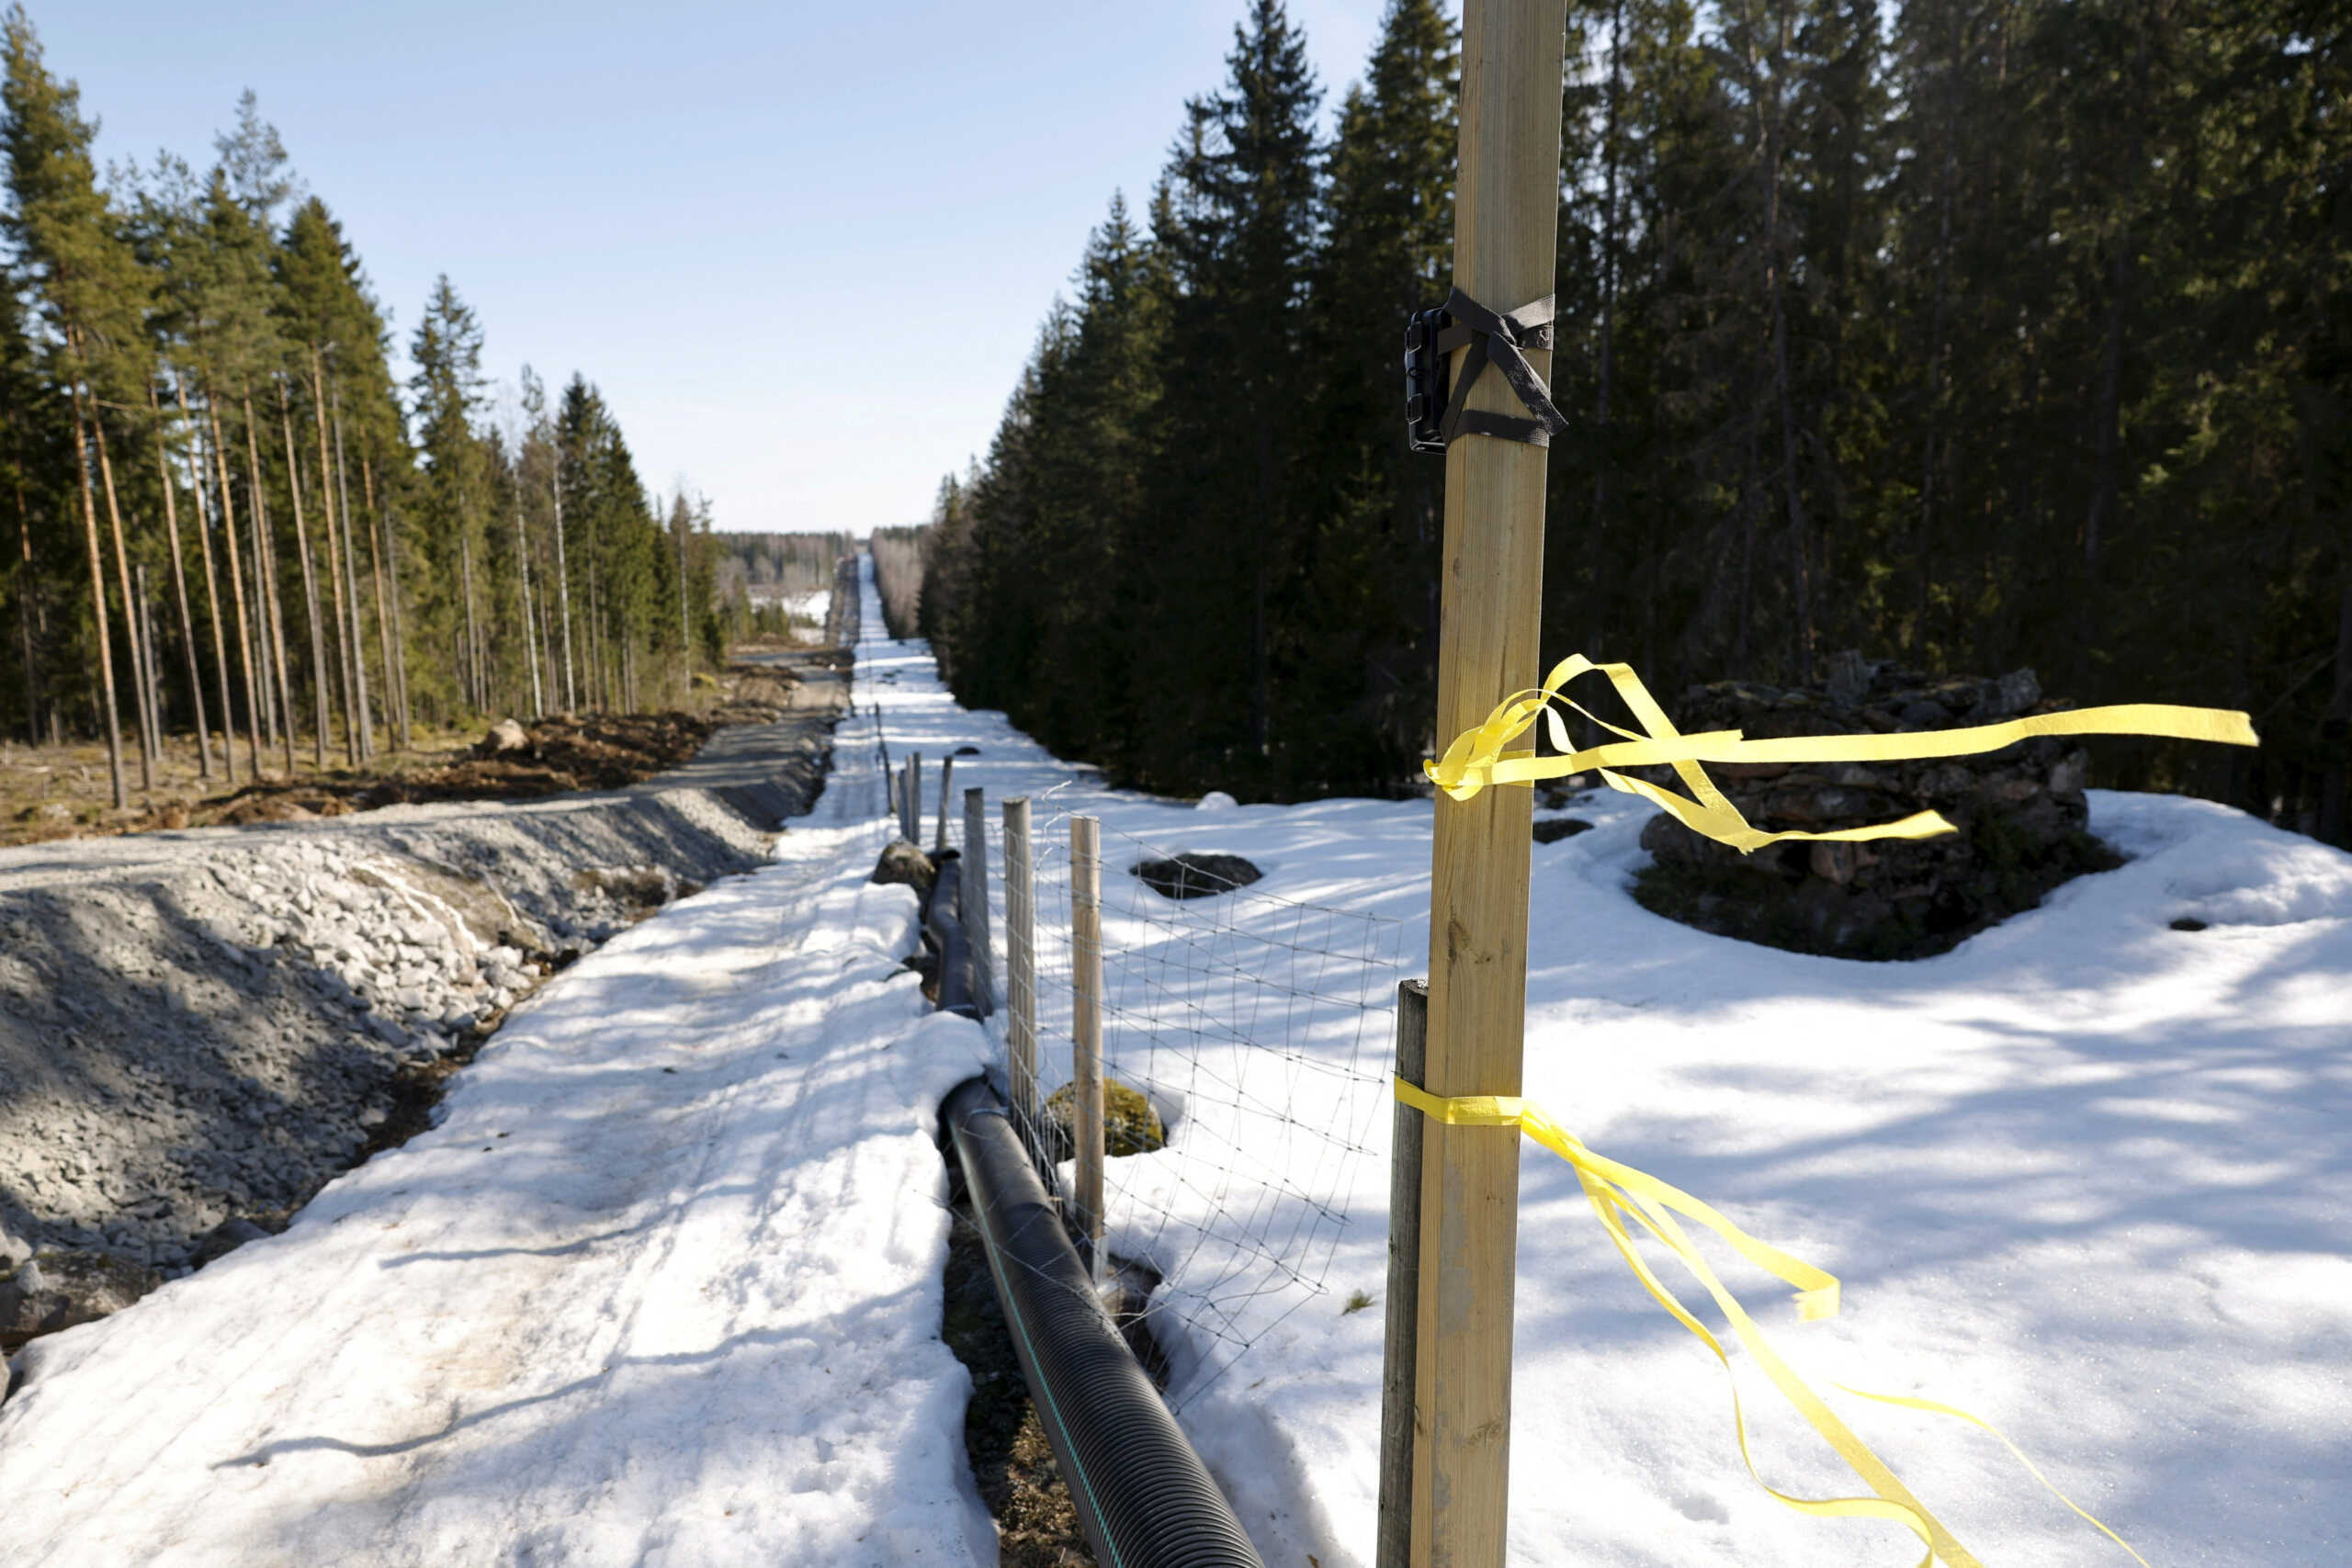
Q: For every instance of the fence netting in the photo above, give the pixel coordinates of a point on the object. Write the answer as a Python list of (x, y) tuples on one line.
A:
[(1257, 1027)]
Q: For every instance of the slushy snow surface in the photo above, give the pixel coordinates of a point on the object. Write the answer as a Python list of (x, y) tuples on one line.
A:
[(2085, 1175)]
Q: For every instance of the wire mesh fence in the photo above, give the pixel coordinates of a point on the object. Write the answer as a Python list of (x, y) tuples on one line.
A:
[(1254, 1030)]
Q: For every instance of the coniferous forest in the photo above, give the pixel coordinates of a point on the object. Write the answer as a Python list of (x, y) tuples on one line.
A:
[(1967, 334), (224, 518)]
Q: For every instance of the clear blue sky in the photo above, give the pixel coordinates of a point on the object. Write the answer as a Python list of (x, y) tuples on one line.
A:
[(803, 249)]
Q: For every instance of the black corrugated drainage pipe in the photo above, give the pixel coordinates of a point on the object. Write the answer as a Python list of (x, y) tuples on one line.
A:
[(945, 932), (1144, 1498)]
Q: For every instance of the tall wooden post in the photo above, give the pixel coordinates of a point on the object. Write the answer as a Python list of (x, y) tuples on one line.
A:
[(1506, 220), (1021, 968), (910, 829), (1086, 1031), (972, 895), (946, 789), (1393, 1542)]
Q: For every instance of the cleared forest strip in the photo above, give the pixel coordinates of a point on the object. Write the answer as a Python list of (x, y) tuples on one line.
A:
[(198, 1030)]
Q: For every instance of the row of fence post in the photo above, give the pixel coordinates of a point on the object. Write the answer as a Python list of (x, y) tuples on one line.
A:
[(1018, 998), (1019, 1002)]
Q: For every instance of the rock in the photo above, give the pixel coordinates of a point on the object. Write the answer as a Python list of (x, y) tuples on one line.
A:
[(59, 1290), (2020, 815), (904, 865), (1190, 875), (505, 736), (1217, 800), (1551, 829), (966, 752), (15, 1251), (1130, 1125)]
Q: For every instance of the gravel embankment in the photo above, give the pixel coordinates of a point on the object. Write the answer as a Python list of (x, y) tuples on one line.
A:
[(198, 1030)]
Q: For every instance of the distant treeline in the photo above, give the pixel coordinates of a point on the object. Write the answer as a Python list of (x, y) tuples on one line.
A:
[(1973, 334), (758, 574), (226, 517), (899, 579)]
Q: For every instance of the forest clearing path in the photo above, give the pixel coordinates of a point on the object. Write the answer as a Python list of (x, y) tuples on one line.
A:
[(663, 1285)]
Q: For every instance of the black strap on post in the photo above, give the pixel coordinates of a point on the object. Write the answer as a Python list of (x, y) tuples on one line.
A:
[(1499, 339)]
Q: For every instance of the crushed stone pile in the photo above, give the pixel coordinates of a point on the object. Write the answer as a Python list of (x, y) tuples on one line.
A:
[(199, 1031)]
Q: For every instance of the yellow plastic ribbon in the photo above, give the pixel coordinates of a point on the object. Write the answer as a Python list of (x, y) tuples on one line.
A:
[(1618, 1192), (1486, 756)]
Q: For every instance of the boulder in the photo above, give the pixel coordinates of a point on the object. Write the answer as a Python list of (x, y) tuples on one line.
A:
[(907, 865), (505, 737), (2021, 812), (1130, 1125), (1551, 829), (1192, 875)]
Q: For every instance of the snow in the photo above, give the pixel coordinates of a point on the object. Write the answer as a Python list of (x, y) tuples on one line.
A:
[(2085, 1175), (663, 1287)]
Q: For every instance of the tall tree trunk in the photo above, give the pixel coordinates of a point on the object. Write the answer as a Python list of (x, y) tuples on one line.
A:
[(179, 590), (254, 697), (563, 594), (2107, 429), (345, 649), (478, 687), (25, 615), (388, 607), (140, 678), (1609, 262), (1799, 530), (592, 685), (272, 595), (1939, 331), (2335, 725), (155, 650), (321, 675), (105, 694), (530, 628), (356, 630)]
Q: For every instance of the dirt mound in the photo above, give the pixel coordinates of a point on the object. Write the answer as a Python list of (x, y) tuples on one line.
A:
[(556, 756)]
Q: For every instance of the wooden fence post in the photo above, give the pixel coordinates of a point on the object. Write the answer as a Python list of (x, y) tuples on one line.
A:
[(910, 827), (1394, 1542), (972, 901), (1086, 1033), (946, 785), (1506, 225), (1021, 968)]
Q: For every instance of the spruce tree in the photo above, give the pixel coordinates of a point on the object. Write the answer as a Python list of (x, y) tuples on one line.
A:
[(447, 389), (1377, 522)]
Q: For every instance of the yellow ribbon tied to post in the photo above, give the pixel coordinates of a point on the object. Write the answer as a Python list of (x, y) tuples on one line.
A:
[(1486, 754), (1618, 1193)]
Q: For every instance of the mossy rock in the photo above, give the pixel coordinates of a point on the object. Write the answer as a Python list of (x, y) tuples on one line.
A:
[(1130, 1126)]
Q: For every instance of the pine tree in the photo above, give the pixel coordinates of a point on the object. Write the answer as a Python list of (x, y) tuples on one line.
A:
[(91, 293)]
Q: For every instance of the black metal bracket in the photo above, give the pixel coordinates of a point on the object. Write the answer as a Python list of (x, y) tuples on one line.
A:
[(1425, 381), (1435, 389)]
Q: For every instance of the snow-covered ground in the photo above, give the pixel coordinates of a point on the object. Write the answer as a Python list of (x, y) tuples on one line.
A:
[(2085, 1175), (2088, 1176), (663, 1287)]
